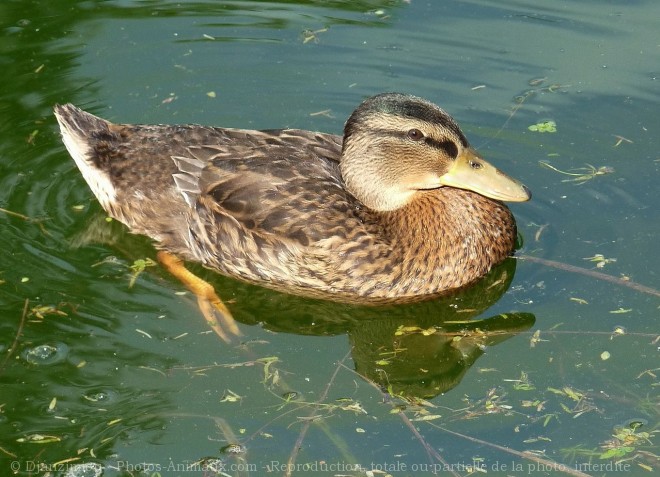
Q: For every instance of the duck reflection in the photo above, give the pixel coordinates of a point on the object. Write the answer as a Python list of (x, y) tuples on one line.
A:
[(418, 350)]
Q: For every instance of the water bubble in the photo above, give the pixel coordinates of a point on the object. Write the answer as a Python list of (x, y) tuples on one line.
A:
[(290, 396), (46, 354), (634, 424), (101, 396), (234, 449), (211, 464)]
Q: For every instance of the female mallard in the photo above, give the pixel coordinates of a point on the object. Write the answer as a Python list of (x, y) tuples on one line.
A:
[(402, 208)]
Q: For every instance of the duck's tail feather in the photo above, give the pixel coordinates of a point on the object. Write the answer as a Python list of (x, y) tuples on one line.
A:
[(78, 121), (78, 129)]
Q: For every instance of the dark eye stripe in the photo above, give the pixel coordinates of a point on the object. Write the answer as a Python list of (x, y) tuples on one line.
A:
[(448, 146)]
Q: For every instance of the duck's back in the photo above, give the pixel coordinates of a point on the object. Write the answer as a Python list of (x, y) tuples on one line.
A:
[(266, 206)]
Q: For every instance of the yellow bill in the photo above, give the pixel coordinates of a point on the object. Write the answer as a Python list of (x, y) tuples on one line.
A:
[(469, 171)]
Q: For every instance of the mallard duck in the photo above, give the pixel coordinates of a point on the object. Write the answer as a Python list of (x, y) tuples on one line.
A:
[(399, 209)]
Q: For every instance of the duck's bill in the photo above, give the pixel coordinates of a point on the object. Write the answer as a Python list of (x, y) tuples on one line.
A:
[(470, 172)]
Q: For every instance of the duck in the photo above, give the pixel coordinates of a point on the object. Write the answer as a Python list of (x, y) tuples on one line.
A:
[(400, 208)]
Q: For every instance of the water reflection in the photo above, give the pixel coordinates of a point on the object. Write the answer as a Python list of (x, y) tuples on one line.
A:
[(421, 350), (424, 366)]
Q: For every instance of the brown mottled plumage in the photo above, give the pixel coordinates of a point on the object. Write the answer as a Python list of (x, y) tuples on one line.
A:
[(401, 209)]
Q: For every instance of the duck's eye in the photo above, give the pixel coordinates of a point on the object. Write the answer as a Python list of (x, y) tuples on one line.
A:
[(415, 135)]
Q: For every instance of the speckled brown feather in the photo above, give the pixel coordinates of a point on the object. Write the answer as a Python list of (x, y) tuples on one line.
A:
[(271, 207)]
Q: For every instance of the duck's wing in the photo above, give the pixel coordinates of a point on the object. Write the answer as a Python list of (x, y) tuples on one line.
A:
[(285, 183), (277, 211), (214, 150)]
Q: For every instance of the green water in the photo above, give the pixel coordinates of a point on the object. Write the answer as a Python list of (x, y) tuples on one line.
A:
[(131, 379)]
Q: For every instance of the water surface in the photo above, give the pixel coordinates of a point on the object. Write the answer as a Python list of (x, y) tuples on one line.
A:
[(130, 379)]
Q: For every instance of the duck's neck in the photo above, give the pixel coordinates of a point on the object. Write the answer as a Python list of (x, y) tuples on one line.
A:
[(454, 236)]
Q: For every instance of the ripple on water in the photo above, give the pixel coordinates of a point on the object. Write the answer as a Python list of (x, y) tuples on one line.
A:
[(102, 397)]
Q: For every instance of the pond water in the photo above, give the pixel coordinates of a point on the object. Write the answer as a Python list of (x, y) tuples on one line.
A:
[(547, 367)]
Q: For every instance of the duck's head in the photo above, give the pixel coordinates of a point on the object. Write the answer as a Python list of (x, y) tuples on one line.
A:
[(396, 145)]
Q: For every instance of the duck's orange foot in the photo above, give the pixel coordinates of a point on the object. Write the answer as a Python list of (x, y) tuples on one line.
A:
[(214, 310)]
